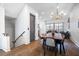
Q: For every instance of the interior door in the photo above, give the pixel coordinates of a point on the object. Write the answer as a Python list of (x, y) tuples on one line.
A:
[(32, 27)]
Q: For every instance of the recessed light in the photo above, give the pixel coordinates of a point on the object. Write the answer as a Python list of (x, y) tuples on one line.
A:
[(65, 13), (57, 7), (51, 13)]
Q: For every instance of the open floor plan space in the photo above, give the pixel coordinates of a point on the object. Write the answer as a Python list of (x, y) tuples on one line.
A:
[(39, 29)]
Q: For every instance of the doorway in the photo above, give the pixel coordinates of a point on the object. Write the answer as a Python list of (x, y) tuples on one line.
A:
[(10, 29), (32, 27)]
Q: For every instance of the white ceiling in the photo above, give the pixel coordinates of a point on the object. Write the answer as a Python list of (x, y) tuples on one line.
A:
[(44, 9), (12, 9)]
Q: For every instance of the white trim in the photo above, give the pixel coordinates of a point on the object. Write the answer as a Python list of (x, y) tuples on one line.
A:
[(75, 42), (6, 50)]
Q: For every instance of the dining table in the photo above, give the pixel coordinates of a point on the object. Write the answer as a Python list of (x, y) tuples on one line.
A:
[(44, 37)]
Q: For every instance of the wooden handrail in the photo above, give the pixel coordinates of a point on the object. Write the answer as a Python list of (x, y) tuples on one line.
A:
[(18, 37)]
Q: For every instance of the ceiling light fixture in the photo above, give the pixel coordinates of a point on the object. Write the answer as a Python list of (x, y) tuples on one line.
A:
[(59, 14)]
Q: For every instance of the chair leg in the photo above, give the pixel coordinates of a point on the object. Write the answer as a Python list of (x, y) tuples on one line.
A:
[(44, 52), (63, 47), (44, 49), (56, 50), (60, 49), (47, 47)]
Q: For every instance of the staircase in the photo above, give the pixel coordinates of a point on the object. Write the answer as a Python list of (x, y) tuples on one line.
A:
[(21, 35)]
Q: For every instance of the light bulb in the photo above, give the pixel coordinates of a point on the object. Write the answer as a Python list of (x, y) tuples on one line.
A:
[(57, 7)]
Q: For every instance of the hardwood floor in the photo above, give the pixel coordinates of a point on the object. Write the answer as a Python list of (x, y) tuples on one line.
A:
[(71, 48), (35, 49)]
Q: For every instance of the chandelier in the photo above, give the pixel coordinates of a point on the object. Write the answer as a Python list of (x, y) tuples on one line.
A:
[(58, 15)]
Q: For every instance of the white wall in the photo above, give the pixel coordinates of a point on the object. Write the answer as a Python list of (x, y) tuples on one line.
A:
[(42, 25), (4, 41), (22, 23), (2, 20), (2, 23), (74, 25)]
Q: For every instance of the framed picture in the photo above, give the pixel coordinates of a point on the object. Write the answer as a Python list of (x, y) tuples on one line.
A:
[(68, 23)]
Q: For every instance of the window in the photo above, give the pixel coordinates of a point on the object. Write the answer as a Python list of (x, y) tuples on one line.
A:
[(55, 26)]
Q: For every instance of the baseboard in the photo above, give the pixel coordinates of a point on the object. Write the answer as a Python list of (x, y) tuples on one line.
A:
[(75, 42), (6, 50)]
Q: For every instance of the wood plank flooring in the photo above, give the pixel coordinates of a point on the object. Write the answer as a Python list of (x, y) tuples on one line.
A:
[(35, 49)]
